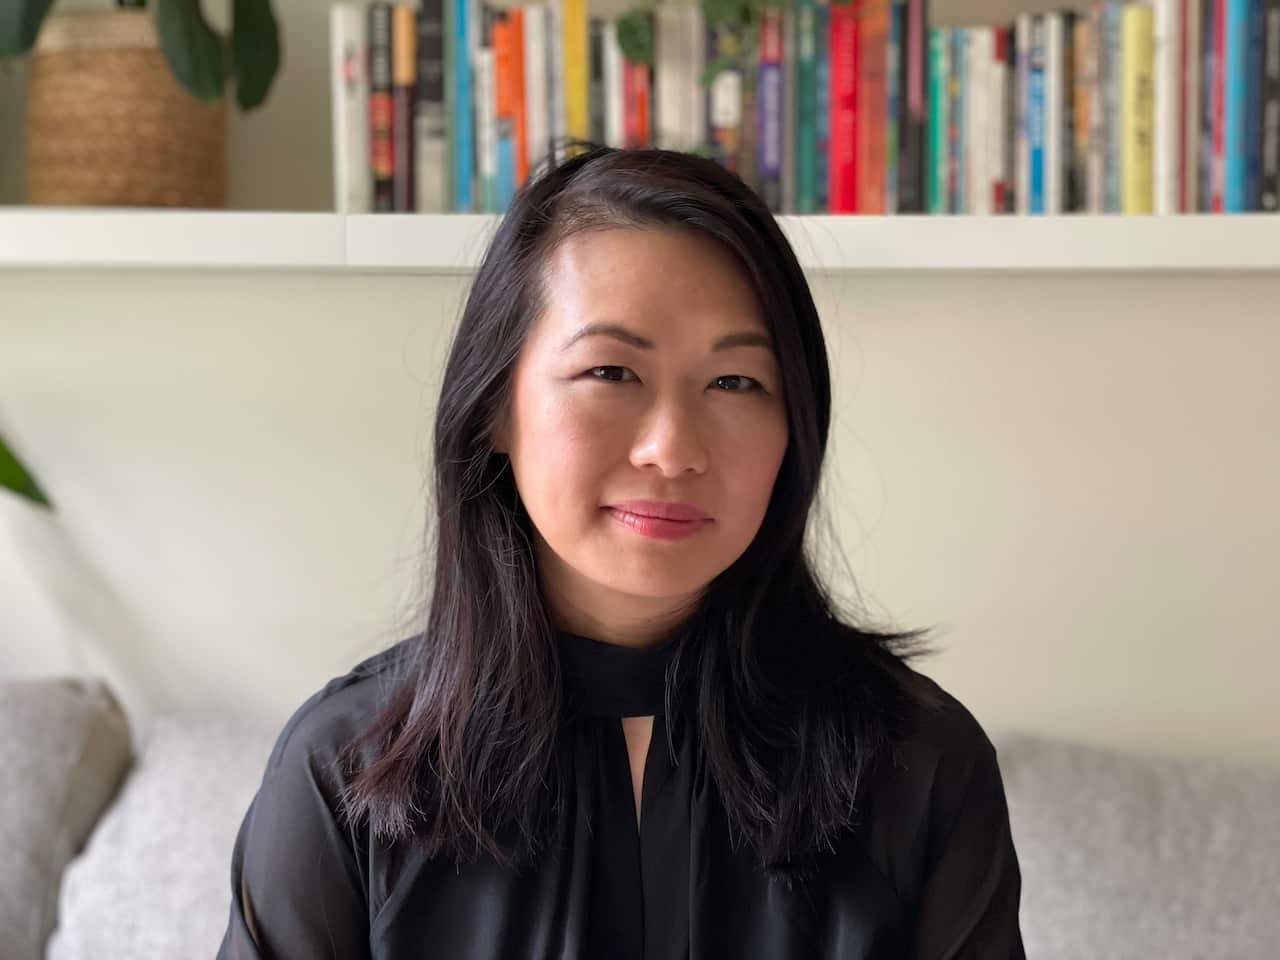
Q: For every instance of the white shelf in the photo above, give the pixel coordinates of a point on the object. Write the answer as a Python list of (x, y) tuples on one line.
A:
[(90, 238)]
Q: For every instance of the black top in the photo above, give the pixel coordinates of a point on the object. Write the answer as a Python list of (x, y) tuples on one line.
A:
[(931, 873)]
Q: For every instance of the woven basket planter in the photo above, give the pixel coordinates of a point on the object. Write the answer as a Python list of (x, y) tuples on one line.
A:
[(109, 125)]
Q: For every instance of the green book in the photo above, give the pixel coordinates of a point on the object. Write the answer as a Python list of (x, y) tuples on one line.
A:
[(939, 70)]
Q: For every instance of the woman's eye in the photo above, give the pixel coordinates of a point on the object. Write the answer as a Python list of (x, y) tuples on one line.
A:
[(612, 374), (737, 383)]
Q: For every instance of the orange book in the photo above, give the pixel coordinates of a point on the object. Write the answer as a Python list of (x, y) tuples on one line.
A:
[(515, 33), (872, 106)]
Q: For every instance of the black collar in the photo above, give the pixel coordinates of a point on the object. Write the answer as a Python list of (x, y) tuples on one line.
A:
[(607, 680)]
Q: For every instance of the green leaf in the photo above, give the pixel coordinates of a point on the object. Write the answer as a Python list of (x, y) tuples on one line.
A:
[(255, 50), (14, 477), (635, 35), (192, 48), (20, 21)]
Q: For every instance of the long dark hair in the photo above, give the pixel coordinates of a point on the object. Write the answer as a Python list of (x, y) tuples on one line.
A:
[(792, 703)]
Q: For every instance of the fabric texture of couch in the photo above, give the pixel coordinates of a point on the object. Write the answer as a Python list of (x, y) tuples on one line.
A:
[(1123, 854)]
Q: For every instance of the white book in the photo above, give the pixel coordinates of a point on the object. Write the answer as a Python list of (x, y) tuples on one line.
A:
[(555, 75), (1022, 151), (1166, 68), (696, 94), (977, 112), (1053, 113), (486, 129), (998, 85), (1189, 133), (670, 91), (614, 119), (349, 90), (537, 106)]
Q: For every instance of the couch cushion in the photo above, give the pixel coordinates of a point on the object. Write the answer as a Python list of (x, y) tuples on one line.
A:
[(1128, 855), (64, 748), (154, 881)]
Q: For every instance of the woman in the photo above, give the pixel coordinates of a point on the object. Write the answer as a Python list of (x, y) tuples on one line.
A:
[(634, 725)]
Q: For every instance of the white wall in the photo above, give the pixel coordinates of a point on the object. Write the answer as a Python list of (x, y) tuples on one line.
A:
[(1072, 477)]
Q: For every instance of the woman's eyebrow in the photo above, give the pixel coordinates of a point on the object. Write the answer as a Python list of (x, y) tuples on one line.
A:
[(747, 338)]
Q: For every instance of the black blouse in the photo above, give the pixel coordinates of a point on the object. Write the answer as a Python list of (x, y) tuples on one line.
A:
[(930, 873)]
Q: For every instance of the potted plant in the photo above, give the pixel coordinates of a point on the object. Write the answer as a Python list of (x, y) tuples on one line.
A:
[(16, 478), (125, 106)]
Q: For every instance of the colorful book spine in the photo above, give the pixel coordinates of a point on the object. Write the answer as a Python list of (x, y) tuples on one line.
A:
[(939, 118), (1167, 65), (842, 160), (913, 133), (806, 107), (1192, 62), (1053, 100), (957, 89), (404, 70), (873, 32), (1022, 142), (894, 58), (1254, 75), (381, 152), (1036, 117), (463, 128), (349, 91), (1270, 187), (1137, 109), (822, 117), (486, 113), (769, 105), (573, 25), (1111, 77), (433, 188)]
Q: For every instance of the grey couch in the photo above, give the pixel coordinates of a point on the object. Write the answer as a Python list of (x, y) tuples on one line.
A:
[(122, 849)]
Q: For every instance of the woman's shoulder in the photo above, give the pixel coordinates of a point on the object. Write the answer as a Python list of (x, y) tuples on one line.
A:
[(338, 712)]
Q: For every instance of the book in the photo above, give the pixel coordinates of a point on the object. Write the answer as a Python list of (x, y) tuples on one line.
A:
[(349, 93), (1137, 108), (404, 71), (433, 187), (381, 150)]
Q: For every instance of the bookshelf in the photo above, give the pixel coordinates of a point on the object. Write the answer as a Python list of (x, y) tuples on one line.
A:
[(453, 243)]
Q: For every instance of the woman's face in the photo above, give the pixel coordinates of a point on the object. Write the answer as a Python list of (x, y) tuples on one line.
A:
[(649, 380)]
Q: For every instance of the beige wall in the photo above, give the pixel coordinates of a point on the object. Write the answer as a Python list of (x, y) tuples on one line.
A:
[(1074, 478)]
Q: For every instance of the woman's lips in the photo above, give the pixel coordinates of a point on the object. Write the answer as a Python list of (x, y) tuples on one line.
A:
[(662, 521)]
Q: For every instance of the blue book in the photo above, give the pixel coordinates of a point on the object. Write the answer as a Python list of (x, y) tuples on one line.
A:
[(959, 61), (1035, 117), (1234, 99), (464, 153)]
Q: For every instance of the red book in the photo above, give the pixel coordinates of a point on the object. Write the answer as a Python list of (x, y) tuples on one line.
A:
[(635, 95), (872, 98), (842, 160)]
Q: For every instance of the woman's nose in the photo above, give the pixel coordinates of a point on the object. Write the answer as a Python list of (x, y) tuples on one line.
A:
[(670, 438)]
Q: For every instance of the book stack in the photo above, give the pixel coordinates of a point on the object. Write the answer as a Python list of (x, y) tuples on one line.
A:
[(1124, 106)]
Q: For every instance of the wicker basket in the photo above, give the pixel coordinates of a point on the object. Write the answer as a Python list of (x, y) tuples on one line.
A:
[(109, 125)]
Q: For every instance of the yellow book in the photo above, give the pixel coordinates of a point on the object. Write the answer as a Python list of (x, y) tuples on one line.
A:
[(577, 114), (1137, 109)]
